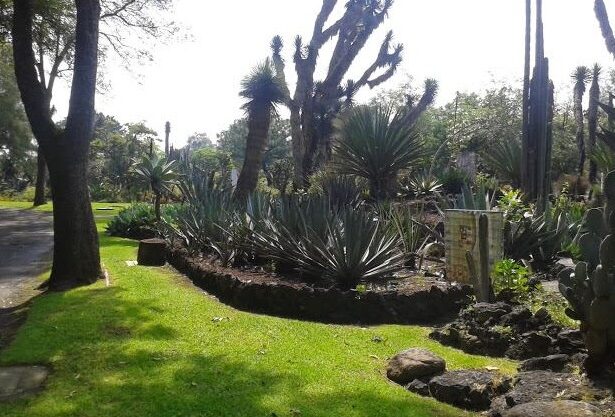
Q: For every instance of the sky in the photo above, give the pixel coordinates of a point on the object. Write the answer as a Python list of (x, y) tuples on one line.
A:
[(194, 79)]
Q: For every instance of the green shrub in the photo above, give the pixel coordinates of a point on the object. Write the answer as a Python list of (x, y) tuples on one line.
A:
[(509, 275), (136, 222)]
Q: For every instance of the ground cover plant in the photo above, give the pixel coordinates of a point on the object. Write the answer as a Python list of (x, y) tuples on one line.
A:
[(152, 344)]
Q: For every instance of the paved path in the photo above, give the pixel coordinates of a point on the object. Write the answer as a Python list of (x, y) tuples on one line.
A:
[(26, 243)]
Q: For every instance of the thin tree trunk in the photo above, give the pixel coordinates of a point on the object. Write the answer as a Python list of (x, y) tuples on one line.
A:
[(41, 180), (580, 128), (256, 143), (157, 205), (592, 122)]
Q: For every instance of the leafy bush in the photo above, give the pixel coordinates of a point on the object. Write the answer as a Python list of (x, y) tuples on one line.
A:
[(136, 222), (509, 275), (453, 180)]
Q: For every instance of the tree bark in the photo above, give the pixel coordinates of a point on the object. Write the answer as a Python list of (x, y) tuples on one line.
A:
[(579, 91), (76, 259), (525, 134), (41, 180), (256, 143), (592, 122)]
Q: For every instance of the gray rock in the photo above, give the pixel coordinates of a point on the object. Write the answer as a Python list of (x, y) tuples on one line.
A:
[(553, 409), (20, 381), (555, 363), (412, 364), (546, 386), (531, 344), (472, 390), (489, 311), (418, 387), (434, 250)]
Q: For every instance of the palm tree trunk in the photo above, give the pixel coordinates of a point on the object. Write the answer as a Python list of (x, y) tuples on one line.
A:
[(256, 142), (157, 197), (526, 88), (592, 121)]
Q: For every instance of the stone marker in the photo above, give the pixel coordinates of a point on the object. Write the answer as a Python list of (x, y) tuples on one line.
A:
[(19, 381)]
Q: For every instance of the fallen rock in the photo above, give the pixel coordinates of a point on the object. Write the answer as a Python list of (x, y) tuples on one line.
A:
[(471, 390), (553, 409), (531, 344), (20, 381), (555, 363), (413, 364)]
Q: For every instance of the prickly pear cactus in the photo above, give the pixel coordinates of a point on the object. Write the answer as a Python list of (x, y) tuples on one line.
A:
[(590, 288)]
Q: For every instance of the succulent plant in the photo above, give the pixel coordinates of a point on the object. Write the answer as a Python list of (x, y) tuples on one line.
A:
[(590, 288)]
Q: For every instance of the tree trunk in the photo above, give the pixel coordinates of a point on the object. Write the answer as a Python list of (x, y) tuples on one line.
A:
[(256, 142), (592, 122), (157, 205), (76, 260), (41, 180)]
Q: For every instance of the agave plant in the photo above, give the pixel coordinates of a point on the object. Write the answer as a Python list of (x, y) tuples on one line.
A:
[(423, 184), (160, 175), (356, 247), (375, 143)]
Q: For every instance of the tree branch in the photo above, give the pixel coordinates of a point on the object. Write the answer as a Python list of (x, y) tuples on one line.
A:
[(605, 26)]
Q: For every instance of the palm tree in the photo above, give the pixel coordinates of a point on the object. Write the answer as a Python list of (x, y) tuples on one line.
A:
[(159, 175), (375, 143), (580, 76), (592, 120), (605, 26), (264, 92)]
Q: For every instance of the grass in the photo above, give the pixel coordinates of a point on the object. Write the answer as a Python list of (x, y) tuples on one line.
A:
[(151, 344)]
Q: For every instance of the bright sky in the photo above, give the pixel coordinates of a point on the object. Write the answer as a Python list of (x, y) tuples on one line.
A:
[(464, 44)]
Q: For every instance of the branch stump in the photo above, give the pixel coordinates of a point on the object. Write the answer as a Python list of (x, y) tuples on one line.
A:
[(152, 252)]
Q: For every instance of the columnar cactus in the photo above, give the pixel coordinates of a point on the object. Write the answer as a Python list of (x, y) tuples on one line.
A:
[(590, 288)]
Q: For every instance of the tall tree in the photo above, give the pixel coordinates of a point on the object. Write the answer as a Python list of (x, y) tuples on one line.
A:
[(580, 77), (167, 133), (592, 120), (76, 259), (54, 42), (264, 92), (314, 104)]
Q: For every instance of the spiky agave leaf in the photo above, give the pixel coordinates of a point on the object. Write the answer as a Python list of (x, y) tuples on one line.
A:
[(261, 87)]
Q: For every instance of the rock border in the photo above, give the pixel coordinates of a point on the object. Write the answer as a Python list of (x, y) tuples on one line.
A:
[(424, 306)]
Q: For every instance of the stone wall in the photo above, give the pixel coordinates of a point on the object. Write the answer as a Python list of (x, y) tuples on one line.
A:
[(425, 305)]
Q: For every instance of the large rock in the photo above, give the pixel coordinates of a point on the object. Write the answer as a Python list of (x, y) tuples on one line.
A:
[(413, 364), (484, 312), (472, 390), (553, 409)]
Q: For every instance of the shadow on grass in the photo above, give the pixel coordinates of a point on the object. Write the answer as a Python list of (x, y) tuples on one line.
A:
[(114, 357)]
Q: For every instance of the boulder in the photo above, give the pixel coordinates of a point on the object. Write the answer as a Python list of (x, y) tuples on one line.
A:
[(152, 252), (531, 344), (484, 312), (553, 409), (413, 364), (555, 363), (471, 390)]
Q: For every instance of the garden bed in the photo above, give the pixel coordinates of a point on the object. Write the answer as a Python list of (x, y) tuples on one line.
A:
[(412, 301)]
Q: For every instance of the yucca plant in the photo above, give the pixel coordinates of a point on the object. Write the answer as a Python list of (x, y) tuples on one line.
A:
[(412, 234), (504, 158), (375, 143), (160, 175)]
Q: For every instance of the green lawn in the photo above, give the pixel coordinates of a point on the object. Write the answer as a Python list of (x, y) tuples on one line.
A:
[(152, 345)]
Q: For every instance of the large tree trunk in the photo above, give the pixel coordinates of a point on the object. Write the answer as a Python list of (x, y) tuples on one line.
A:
[(41, 180), (76, 258), (256, 143)]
